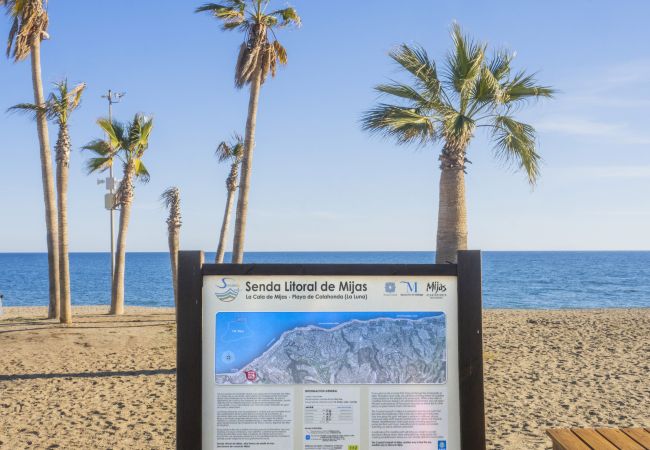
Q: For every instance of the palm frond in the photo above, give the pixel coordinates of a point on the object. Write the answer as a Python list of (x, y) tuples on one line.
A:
[(141, 171), (286, 16), (238, 151), (29, 22), (27, 108), (142, 130), (170, 196), (232, 14), (416, 61), (98, 164), (223, 151), (99, 147), (486, 88), (515, 143), (139, 130), (12, 35), (403, 91), (280, 53), (230, 151), (499, 64), (405, 125), (63, 101), (458, 127), (114, 130), (75, 95), (464, 63), (524, 87)]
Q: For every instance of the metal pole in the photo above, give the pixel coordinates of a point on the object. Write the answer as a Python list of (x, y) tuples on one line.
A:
[(110, 174), (112, 97)]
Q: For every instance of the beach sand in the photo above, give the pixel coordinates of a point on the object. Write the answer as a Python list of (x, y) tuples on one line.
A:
[(109, 382)]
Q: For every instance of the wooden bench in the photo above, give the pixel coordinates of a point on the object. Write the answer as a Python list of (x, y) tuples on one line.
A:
[(600, 438)]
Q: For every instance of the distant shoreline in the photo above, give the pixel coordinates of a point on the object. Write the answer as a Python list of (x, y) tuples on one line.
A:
[(90, 252)]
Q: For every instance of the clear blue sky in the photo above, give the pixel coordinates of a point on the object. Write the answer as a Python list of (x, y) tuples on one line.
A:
[(319, 182)]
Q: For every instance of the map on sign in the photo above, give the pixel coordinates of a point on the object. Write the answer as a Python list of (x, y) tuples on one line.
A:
[(330, 348)]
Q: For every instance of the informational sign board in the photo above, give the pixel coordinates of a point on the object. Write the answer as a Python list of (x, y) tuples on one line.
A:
[(330, 357)]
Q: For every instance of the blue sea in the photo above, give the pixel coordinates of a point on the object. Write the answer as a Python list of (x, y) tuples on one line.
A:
[(537, 280)]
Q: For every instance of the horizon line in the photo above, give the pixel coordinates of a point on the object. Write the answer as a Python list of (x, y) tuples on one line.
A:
[(44, 252)]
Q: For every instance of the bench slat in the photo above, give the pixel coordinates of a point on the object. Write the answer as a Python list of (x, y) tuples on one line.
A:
[(640, 435), (594, 439), (564, 439), (620, 439)]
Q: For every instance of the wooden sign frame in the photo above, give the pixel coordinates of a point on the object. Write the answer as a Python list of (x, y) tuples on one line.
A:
[(190, 320)]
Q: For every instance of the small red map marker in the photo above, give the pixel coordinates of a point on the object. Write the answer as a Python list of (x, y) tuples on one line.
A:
[(251, 375)]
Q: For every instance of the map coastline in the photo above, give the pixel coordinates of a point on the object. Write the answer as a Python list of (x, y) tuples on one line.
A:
[(409, 347)]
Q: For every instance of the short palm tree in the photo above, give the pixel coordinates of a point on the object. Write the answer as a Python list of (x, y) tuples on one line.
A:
[(229, 152), (171, 198), (58, 107), (128, 143), (472, 92), (28, 29), (258, 57)]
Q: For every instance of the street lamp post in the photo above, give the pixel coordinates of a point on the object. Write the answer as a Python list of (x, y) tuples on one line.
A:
[(109, 198)]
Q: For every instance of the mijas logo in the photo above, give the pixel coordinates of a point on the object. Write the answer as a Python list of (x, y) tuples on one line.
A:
[(226, 290)]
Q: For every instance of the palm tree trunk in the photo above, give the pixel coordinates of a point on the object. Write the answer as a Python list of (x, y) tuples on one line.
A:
[(174, 245), (247, 163), (64, 263), (452, 211), (117, 291), (48, 184), (125, 192), (221, 249)]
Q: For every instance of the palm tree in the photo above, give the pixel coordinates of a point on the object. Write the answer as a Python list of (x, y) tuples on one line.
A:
[(58, 107), (258, 56), (232, 153), (127, 142), (28, 28), (171, 198), (472, 92)]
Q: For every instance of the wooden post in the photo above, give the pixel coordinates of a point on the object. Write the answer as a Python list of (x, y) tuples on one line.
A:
[(470, 350), (188, 350), (189, 334)]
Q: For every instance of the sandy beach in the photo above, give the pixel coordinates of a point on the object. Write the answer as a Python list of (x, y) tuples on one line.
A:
[(109, 382)]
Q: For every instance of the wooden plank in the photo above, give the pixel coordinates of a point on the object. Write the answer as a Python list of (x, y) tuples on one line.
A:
[(470, 351), (619, 439), (594, 439), (564, 439), (640, 435), (188, 351)]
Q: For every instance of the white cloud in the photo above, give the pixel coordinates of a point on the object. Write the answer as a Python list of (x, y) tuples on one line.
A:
[(607, 101), (623, 85), (628, 72), (578, 126), (629, 172)]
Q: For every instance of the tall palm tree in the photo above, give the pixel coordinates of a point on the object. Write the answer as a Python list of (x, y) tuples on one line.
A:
[(472, 92), (171, 198), (28, 29), (58, 107), (229, 152), (258, 56), (128, 143)]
